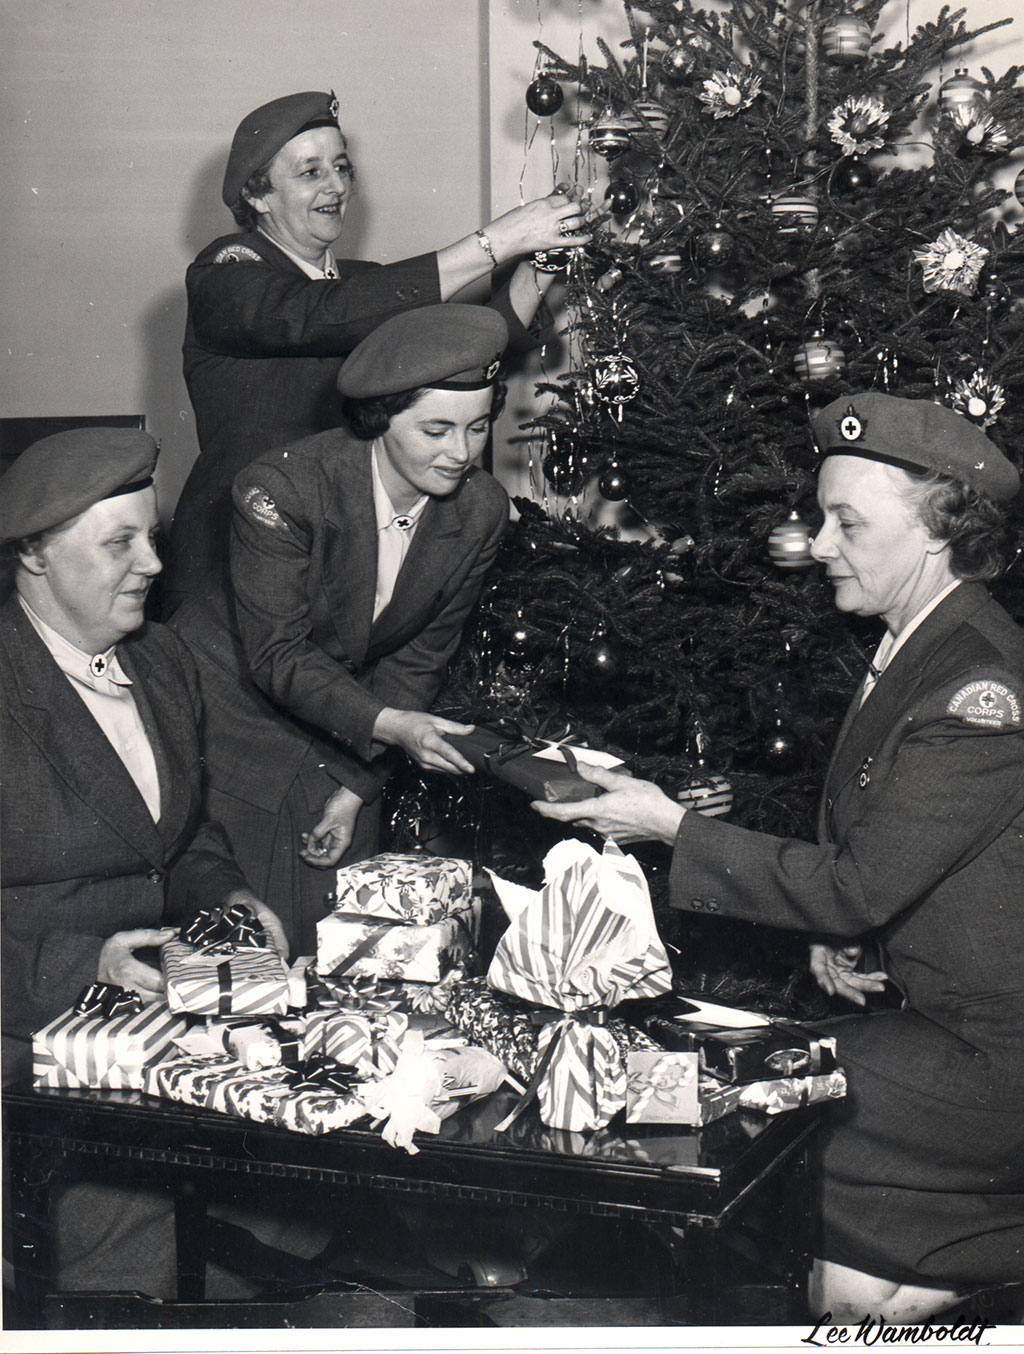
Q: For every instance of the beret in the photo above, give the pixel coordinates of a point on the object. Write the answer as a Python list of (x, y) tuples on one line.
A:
[(915, 435), (262, 133), (453, 346), (60, 476)]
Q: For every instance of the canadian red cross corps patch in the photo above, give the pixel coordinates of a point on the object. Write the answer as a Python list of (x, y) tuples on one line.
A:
[(259, 506), (985, 702)]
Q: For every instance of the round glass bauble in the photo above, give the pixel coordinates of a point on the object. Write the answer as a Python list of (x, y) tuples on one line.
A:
[(610, 137), (846, 40), (544, 96), (707, 793), (961, 90), (622, 197), (789, 544), (819, 359), (614, 483)]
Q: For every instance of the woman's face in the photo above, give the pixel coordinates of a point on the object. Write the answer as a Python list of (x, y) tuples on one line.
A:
[(90, 581), (429, 447), (880, 557), (312, 184)]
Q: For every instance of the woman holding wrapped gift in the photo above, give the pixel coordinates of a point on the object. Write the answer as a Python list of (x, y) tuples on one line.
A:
[(921, 849), (356, 557), (272, 312)]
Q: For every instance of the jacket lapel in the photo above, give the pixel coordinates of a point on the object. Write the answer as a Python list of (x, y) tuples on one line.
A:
[(162, 709), (55, 717), (350, 551)]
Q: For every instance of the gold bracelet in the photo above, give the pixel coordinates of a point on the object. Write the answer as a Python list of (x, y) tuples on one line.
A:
[(487, 247)]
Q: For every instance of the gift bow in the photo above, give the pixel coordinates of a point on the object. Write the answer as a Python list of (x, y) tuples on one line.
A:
[(364, 994), (107, 1000), (521, 741), (565, 1020), (319, 1072), (217, 927)]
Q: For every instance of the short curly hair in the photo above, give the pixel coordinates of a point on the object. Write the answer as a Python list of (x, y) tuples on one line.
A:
[(976, 528), (370, 418), (258, 184)]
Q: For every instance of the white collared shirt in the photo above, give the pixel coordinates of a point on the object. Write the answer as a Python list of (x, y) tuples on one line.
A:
[(106, 690), (891, 644), (393, 540), (327, 269)]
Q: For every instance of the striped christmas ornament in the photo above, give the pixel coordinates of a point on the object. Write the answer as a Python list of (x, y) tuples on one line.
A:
[(709, 794), (794, 212), (819, 359)]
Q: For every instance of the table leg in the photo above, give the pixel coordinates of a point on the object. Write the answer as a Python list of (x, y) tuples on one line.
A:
[(191, 1195), (29, 1176)]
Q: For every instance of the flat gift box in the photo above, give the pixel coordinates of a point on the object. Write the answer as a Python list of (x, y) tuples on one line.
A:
[(96, 1051), (546, 774), (737, 1053), (218, 982), (217, 1082), (409, 888), (366, 947), (668, 1088)]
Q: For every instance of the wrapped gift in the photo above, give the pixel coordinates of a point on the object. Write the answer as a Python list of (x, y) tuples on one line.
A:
[(662, 1088), (367, 1041), (769, 1097), (224, 980), (542, 770), (103, 1051), (585, 942), (408, 888), (748, 1048), (354, 946)]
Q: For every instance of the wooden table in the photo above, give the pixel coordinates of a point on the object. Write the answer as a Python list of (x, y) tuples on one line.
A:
[(690, 1186)]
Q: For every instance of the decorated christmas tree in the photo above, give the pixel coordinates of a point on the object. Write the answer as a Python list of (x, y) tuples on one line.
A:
[(798, 207)]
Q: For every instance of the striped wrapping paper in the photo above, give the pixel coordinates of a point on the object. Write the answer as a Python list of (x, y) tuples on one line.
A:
[(586, 941), (77, 1051), (404, 887), (368, 1043), (239, 982)]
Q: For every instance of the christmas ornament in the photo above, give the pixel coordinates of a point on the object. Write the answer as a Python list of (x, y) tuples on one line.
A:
[(994, 291), (607, 281), (1018, 188), (544, 96), (978, 398), (622, 197), (846, 39), (781, 751), (794, 212), (728, 92), (678, 61), (615, 380), (669, 262), (600, 661), (517, 644), (707, 793), (614, 483), (858, 124), (851, 175), (715, 248), (819, 359), (951, 263), (789, 544), (609, 137), (653, 115), (551, 260), (977, 129), (961, 90)]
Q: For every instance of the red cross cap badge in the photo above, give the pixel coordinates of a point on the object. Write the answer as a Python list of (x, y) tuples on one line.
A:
[(334, 108), (492, 370), (851, 428)]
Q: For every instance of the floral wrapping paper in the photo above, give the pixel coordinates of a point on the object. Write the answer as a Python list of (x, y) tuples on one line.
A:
[(76, 1051), (585, 942), (366, 994), (662, 1088), (391, 950), (214, 982), (770, 1097), (410, 888)]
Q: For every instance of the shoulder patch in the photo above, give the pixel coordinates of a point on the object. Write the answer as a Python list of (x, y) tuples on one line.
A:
[(236, 253), (259, 507), (986, 702)]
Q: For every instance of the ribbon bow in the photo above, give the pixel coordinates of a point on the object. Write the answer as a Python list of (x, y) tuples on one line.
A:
[(364, 994), (221, 928), (548, 1015), (520, 740), (319, 1072), (107, 1000)]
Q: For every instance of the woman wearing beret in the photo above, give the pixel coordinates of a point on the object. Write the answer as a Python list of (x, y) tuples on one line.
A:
[(272, 312), (920, 850), (356, 556)]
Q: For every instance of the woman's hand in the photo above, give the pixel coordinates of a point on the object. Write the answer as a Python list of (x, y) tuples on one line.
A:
[(629, 811), (552, 222), (117, 962), (421, 737), (833, 968), (325, 845), (266, 915)]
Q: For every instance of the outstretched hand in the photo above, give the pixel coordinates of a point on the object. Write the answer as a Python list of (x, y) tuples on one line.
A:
[(629, 810), (422, 737), (117, 962), (834, 968)]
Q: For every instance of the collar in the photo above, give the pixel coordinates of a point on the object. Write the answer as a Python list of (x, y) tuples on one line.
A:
[(383, 508), (891, 643), (328, 267), (89, 669)]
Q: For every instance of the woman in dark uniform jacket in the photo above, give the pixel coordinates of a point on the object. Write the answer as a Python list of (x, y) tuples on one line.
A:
[(921, 848), (334, 646), (272, 312)]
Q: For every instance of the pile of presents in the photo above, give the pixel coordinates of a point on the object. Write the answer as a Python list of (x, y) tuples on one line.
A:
[(392, 1023)]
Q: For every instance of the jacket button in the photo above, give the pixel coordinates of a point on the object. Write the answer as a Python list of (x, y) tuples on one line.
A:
[(712, 905), (156, 876), (697, 904)]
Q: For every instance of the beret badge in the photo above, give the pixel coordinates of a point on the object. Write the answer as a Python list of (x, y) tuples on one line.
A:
[(492, 369), (851, 428), (334, 108)]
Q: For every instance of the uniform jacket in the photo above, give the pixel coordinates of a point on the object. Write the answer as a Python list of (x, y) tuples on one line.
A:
[(921, 842), (82, 857), (263, 345), (301, 659)]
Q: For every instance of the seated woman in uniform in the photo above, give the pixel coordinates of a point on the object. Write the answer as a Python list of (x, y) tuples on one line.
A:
[(921, 848), (356, 557)]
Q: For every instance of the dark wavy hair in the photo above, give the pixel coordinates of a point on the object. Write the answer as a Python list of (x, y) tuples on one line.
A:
[(372, 417), (975, 527)]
